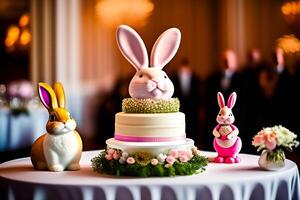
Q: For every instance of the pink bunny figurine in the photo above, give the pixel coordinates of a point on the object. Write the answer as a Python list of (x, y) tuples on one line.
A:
[(226, 143), (149, 81)]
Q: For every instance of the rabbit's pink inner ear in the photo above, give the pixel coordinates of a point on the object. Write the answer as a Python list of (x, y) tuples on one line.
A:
[(45, 97), (231, 100), (221, 100), (132, 47), (165, 48)]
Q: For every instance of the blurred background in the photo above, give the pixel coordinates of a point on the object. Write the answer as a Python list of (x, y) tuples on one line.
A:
[(248, 46)]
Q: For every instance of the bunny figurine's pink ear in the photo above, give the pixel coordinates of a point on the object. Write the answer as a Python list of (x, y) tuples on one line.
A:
[(231, 100), (165, 48), (132, 47), (47, 96), (221, 100)]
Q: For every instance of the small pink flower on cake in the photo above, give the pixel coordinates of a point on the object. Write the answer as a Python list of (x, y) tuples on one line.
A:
[(170, 160), (154, 161), (173, 152), (110, 151), (130, 160), (116, 155), (183, 158), (181, 153), (108, 156)]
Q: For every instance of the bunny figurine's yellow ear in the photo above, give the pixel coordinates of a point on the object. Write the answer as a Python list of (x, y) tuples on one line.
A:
[(60, 94), (47, 96)]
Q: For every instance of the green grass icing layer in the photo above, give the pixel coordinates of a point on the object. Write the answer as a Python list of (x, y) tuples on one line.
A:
[(145, 169), (131, 105)]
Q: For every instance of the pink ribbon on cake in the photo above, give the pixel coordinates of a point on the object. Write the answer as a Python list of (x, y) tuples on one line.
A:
[(147, 139)]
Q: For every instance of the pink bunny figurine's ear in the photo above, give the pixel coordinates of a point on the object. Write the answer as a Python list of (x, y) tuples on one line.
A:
[(165, 48), (221, 100), (231, 100), (47, 96), (132, 47)]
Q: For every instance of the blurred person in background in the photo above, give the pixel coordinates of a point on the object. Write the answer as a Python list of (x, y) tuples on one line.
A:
[(227, 80), (186, 84), (275, 93), (296, 98), (108, 107), (249, 98)]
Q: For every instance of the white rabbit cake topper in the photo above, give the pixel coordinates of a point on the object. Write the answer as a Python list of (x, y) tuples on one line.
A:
[(149, 81)]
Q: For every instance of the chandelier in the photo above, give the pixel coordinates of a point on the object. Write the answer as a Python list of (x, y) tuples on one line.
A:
[(18, 37), (291, 12), (130, 12)]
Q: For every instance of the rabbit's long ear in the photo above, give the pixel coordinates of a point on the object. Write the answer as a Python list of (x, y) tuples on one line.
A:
[(132, 47), (60, 94), (221, 100), (231, 100), (165, 48), (47, 96)]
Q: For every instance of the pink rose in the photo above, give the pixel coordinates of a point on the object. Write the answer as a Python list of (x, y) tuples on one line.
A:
[(183, 158), (174, 153), (130, 160), (170, 160), (258, 139), (181, 153), (116, 155), (110, 151), (154, 161), (270, 145), (108, 157)]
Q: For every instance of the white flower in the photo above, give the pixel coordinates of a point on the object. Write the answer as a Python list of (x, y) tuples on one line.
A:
[(161, 157), (122, 160), (167, 165), (194, 150), (124, 154)]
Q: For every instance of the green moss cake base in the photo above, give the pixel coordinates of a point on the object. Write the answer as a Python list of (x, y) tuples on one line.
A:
[(131, 105), (143, 165)]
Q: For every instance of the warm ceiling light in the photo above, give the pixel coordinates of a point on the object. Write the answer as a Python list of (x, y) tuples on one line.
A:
[(289, 43), (131, 12), (25, 37), (24, 20), (12, 36)]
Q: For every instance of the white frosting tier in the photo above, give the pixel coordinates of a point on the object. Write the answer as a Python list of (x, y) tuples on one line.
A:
[(160, 127), (154, 148)]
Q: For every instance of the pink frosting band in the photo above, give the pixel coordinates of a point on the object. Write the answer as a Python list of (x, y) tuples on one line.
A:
[(147, 139)]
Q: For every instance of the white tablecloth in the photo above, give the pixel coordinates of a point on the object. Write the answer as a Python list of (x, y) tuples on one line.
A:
[(240, 181), (21, 130)]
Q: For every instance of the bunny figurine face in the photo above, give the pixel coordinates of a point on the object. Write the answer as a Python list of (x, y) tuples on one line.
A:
[(225, 115), (149, 82), (60, 120)]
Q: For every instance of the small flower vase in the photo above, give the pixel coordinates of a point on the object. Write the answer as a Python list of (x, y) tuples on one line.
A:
[(272, 160)]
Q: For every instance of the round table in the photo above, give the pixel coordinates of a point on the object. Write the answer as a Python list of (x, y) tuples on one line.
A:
[(18, 180)]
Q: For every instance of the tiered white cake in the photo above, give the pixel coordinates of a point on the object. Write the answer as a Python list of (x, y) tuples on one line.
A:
[(150, 132)]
